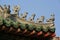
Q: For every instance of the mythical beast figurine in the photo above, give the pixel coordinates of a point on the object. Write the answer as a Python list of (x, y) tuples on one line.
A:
[(40, 20), (24, 15), (16, 10), (31, 19), (51, 19)]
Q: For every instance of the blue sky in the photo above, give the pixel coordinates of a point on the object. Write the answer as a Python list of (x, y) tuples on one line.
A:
[(39, 7)]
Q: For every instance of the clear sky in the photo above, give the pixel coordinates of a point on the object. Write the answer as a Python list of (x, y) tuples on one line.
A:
[(39, 7)]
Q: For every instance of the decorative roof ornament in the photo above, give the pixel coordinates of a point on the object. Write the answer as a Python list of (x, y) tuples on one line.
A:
[(5, 8), (51, 19), (16, 10), (1, 8), (24, 15), (40, 20), (31, 19), (1, 11), (8, 9)]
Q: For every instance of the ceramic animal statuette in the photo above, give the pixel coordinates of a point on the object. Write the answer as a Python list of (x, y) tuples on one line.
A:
[(51, 19), (1, 11), (8, 9), (5, 9), (16, 10), (40, 20), (31, 19), (23, 16)]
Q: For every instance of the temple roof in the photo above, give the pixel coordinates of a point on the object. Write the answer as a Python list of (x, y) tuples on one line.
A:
[(19, 25)]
